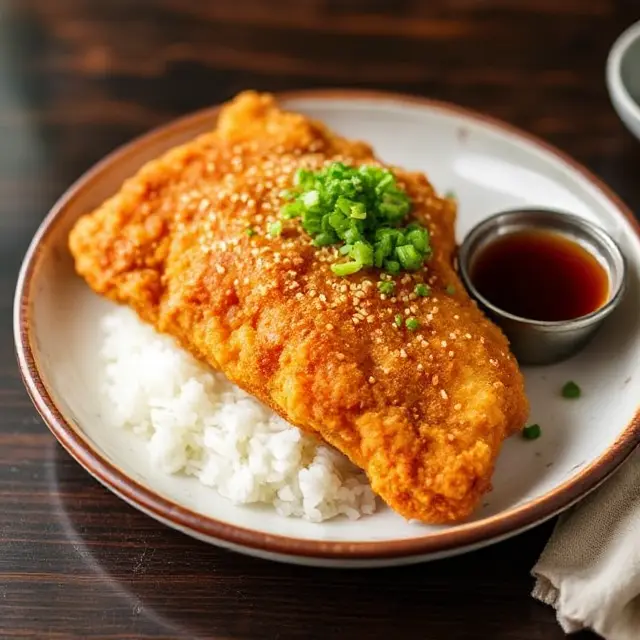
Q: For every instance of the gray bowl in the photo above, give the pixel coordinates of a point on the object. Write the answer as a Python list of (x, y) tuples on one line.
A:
[(623, 78), (538, 342)]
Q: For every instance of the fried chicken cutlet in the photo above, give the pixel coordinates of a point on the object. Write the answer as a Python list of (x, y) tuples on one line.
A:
[(186, 243)]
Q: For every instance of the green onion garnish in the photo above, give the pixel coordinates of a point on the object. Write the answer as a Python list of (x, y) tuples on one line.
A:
[(250, 232), (345, 268), (362, 209), (422, 290), (571, 390), (398, 320), (275, 229), (450, 289), (412, 324), (532, 432), (386, 287), (288, 194), (391, 266), (450, 195)]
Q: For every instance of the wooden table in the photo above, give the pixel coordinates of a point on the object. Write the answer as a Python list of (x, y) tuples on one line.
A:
[(78, 78)]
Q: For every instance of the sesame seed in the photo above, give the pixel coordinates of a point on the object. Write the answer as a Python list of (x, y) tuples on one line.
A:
[(443, 393), (403, 353), (457, 407), (340, 356), (467, 336), (434, 380), (443, 343), (329, 326), (372, 379), (450, 437), (420, 367), (451, 354)]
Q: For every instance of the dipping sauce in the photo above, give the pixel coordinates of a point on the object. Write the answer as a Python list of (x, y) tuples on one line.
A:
[(540, 275)]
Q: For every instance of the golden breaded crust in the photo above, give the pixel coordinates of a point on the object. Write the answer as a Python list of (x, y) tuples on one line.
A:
[(424, 413)]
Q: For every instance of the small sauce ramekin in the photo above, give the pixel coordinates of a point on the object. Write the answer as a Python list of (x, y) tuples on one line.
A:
[(540, 342)]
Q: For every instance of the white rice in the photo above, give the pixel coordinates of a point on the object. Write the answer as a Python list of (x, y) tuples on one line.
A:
[(196, 422)]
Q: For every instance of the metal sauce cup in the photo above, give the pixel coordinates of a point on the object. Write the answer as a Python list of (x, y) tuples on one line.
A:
[(537, 342)]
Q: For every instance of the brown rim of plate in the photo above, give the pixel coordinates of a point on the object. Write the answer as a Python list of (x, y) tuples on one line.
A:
[(459, 536)]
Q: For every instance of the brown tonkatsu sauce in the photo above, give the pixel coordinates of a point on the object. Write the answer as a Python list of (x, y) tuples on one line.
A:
[(540, 275)]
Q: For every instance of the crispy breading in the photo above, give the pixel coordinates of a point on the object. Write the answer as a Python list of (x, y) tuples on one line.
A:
[(424, 413)]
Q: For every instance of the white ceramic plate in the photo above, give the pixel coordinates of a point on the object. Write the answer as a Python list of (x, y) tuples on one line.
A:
[(490, 166)]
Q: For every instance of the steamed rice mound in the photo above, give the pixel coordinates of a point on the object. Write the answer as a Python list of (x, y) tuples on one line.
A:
[(196, 422)]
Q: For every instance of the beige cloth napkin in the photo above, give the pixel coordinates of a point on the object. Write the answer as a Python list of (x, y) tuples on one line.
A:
[(590, 569)]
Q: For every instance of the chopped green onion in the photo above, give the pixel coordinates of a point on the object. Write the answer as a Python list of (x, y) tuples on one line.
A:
[(310, 198), (532, 432), (450, 289), (412, 324), (409, 257), (387, 287), (250, 232), (571, 390), (361, 208), (358, 211), (288, 194), (398, 320), (450, 195), (275, 229), (346, 268), (362, 252), (422, 290), (391, 266), (291, 210), (324, 239)]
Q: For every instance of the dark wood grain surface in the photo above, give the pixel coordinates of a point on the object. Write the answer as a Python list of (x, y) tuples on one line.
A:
[(78, 78)]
